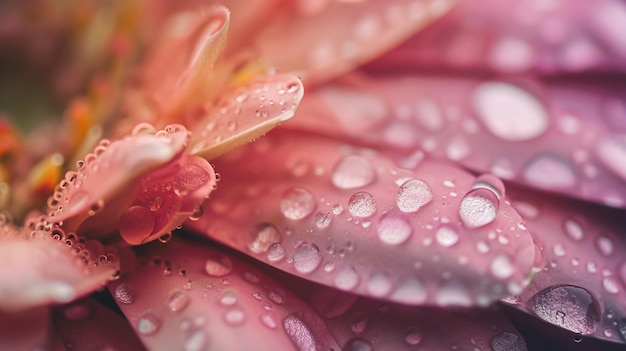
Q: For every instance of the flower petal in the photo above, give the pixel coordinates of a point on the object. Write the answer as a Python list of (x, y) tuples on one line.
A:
[(325, 43), (562, 137), (582, 288), (24, 330), (350, 218), (208, 299), (245, 113)]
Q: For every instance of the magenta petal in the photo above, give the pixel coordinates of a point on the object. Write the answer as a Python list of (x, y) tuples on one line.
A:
[(562, 137), (212, 300), (583, 285), (350, 218), (24, 330)]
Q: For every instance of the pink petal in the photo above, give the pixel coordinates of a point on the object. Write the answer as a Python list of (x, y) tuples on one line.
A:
[(561, 137), (210, 299), (348, 217), (246, 112), (550, 37), (342, 35), (24, 330), (143, 185), (87, 325), (582, 288)]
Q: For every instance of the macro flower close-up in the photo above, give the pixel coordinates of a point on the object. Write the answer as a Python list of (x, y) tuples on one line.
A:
[(356, 175)]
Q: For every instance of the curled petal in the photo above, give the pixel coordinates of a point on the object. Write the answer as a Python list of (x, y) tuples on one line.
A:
[(563, 137), (208, 299), (350, 218)]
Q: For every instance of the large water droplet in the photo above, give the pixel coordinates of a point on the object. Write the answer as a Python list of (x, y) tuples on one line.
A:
[(299, 333), (125, 294), (569, 307), (307, 258), (413, 195), (394, 228), (347, 278), (362, 204), (275, 252), (353, 171), (192, 176), (479, 207), (506, 341), (297, 203), (265, 235), (177, 301), (446, 236), (218, 265), (148, 324)]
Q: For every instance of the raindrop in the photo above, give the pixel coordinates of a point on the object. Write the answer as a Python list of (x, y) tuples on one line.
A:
[(234, 316), (337, 209), (148, 324), (275, 252), (277, 297), (268, 320), (491, 182), (353, 171), (177, 301), (228, 299), (612, 153), (604, 245), (125, 294), (218, 265), (297, 203), (299, 333), (550, 171), (322, 219), (446, 236), (394, 228), (379, 284), (573, 229), (502, 267), (359, 325), (362, 204), (265, 235), (409, 291), (569, 307), (307, 258), (413, 195), (192, 176), (196, 341), (347, 278), (507, 341), (413, 337), (358, 344), (478, 207)]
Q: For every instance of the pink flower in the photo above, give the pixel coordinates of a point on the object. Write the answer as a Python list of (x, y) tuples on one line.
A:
[(457, 187)]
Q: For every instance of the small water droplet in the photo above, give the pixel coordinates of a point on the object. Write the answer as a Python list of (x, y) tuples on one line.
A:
[(573, 229), (196, 341), (507, 341), (353, 171), (567, 306), (277, 297), (269, 320), (604, 245), (501, 267), (234, 316), (379, 284), (322, 219), (413, 195), (337, 209), (413, 337), (346, 278), (275, 252), (446, 236), (148, 324), (362, 204), (218, 265), (358, 344), (394, 228), (297, 203), (265, 235), (229, 298), (125, 294), (299, 333), (177, 301), (307, 258), (478, 207), (359, 325)]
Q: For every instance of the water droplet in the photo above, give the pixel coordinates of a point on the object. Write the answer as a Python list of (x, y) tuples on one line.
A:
[(196, 341), (502, 267), (177, 301), (353, 171), (550, 171), (125, 294), (192, 176), (573, 229), (453, 293), (413, 195), (479, 207), (491, 182), (234, 316), (148, 324), (358, 344), (362, 204), (379, 284), (218, 265), (229, 298), (300, 334), (359, 325), (394, 228), (76, 312), (269, 320), (337, 209), (569, 307), (604, 245), (265, 235), (322, 219), (506, 341), (307, 258), (275, 252), (612, 153), (136, 224), (413, 337), (297, 203), (410, 291), (610, 285), (346, 278), (277, 297), (446, 236)]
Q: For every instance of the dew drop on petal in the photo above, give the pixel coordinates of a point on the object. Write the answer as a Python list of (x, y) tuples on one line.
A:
[(413, 195), (549, 171), (234, 316), (228, 299), (353, 171), (605, 245), (196, 341), (218, 265), (358, 344), (446, 236), (269, 320), (409, 291), (125, 294), (379, 284), (136, 224), (362, 204), (612, 152), (569, 307), (275, 252), (502, 267), (299, 333), (322, 219), (394, 228), (192, 176), (573, 229), (507, 341), (177, 301), (265, 235), (491, 182), (307, 258), (346, 278), (297, 203), (478, 207), (148, 324), (413, 337)]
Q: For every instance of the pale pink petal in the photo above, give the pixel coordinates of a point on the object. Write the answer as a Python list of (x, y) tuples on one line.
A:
[(143, 186), (562, 137), (87, 325), (549, 37), (349, 217), (582, 287), (341, 35), (210, 299), (245, 113), (24, 330)]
